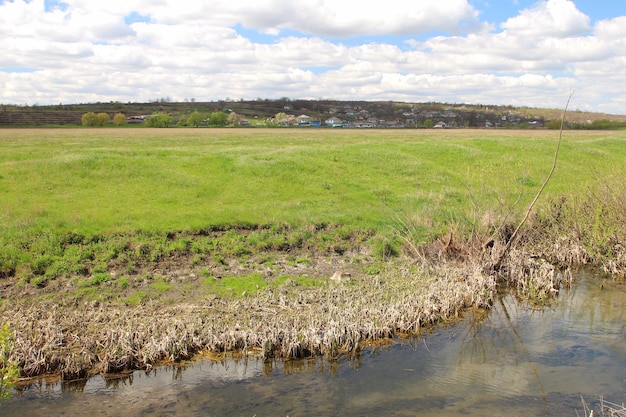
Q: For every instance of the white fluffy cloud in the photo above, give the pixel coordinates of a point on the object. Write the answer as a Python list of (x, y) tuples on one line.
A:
[(549, 18), (135, 50), (347, 18)]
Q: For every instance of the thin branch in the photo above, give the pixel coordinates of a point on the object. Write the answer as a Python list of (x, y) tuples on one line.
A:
[(509, 244)]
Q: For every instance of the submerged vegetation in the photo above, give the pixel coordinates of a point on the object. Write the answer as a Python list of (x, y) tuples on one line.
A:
[(121, 249)]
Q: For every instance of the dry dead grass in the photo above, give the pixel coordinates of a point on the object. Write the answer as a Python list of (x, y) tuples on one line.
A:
[(286, 322)]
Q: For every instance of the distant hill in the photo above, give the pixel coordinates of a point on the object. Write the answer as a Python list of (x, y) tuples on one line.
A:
[(383, 114)]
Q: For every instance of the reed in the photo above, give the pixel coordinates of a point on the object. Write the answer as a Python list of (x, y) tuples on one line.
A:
[(586, 228), (288, 322), (605, 409)]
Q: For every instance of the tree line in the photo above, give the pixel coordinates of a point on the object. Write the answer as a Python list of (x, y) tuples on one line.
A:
[(92, 119), (194, 119)]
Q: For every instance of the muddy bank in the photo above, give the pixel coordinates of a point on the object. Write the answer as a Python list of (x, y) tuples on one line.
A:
[(336, 317)]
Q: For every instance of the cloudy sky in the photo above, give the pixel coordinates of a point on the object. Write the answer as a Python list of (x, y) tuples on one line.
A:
[(517, 52)]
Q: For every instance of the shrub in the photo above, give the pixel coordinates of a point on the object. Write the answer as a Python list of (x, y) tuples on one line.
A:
[(89, 119), (196, 118), (92, 119), (218, 118), (102, 119), (119, 119), (553, 124), (159, 120)]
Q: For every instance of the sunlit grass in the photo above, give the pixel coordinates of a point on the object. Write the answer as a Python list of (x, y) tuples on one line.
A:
[(118, 181), (239, 286)]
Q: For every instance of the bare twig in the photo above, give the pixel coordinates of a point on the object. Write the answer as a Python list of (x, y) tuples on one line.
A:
[(496, 266)]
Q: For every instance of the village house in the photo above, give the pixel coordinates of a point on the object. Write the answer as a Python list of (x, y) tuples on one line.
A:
[(303, 120), (334, 122)]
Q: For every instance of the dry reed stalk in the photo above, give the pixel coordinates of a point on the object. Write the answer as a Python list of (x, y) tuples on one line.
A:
[(607, 408), (512, 239), (302, 322)]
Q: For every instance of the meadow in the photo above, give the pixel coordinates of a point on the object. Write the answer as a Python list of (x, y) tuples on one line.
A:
[(164, 222), (60, 186), (116, 181)]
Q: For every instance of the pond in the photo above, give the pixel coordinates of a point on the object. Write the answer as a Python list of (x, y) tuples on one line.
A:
[(514, 360)]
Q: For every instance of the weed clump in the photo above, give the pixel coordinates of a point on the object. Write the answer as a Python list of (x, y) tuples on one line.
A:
[(565, 233)]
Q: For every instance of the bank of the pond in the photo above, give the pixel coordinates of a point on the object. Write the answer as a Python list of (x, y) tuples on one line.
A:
[(284, 294), (336, 312)]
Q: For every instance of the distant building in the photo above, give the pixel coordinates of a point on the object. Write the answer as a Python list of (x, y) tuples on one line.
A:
[(303, 120), (334, 122)]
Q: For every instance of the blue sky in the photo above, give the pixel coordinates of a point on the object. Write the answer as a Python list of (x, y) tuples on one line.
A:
[(500, 10), (50, 5), (517, 52)]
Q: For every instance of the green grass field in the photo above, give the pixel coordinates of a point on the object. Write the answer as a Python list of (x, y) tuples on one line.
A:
[(104, 182)]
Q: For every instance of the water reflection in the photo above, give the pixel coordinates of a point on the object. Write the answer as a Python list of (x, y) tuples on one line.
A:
[(516, 360)]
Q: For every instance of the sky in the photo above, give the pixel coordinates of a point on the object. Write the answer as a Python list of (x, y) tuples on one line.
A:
[(495, 52)]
